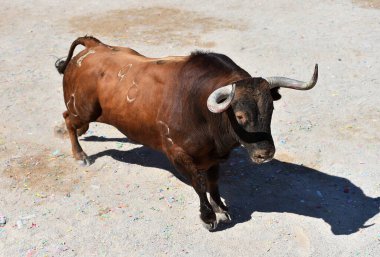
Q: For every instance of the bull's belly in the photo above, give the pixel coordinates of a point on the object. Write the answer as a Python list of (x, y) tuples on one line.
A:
[(138, 131)]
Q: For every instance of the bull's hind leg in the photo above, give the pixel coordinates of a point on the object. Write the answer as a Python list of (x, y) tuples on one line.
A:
[(83, 129), (216, 201), (73, 124)]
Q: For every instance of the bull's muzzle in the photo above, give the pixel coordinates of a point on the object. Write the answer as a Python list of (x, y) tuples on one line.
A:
[(262, 155)]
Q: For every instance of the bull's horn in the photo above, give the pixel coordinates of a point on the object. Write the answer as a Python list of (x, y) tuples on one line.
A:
[(221, 98), (292, 83)]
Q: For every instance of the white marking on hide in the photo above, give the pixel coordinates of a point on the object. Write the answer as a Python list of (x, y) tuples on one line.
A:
[(131, 99), (80, 59), (123, 71), (166, 135), (170, 140), (68, 108), (75, 107), (166, 126)]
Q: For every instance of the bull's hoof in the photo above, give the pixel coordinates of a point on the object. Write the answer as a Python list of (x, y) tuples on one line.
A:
[(208, 218), (82, 159), (85, 162), (224, 217), (210, 226)]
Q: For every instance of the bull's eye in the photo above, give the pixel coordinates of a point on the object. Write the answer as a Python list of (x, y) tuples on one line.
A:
[(241, 117)]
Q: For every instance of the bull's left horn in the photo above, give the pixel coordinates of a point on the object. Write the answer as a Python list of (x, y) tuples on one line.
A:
[(292, 83), (221, 98)]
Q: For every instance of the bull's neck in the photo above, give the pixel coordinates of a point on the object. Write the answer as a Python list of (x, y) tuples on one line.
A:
[(223, 134)]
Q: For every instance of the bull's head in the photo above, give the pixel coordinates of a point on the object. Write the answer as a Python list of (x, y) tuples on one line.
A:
[(250, 115)]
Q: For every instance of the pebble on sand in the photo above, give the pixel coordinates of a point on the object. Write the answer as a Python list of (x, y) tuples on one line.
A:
[(3, 220), (57, 153), (319, 193), (19, 224)]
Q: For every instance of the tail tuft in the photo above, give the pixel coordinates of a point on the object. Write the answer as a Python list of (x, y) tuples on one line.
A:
[(86, 41), (60, 65)]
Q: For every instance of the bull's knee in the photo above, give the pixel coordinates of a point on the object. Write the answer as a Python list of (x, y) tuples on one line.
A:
[(65, 114)]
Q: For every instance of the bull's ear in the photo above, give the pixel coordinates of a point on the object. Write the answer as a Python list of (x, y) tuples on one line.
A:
[(275, 94)]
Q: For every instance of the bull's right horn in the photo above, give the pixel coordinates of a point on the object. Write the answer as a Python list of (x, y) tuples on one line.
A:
[(292, 83), (221, 98)]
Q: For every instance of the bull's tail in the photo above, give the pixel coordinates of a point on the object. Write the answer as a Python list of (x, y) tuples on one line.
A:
[(86, 41)]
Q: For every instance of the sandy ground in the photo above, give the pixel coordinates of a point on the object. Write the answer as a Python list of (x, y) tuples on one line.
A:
[(320, 197)]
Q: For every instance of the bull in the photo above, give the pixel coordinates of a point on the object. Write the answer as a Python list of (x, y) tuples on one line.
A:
[(195, 109)]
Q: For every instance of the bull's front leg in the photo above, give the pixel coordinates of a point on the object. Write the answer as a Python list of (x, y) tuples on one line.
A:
[(213, 189), (199, 180), (208, 216)]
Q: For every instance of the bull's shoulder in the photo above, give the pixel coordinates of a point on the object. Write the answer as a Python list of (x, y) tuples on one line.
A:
[(168, 60)]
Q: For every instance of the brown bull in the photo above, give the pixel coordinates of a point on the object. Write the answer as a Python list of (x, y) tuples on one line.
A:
[(195, 108)]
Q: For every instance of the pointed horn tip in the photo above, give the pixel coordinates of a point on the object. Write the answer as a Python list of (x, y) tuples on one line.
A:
[(315, 75), (313, 80)]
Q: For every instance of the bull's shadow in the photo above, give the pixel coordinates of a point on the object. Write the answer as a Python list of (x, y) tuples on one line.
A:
[(274, 187)]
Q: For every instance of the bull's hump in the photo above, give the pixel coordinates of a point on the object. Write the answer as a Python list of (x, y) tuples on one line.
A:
[(168, 59)]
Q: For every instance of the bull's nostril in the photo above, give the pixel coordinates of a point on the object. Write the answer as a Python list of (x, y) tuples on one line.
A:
[(264, 154)]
